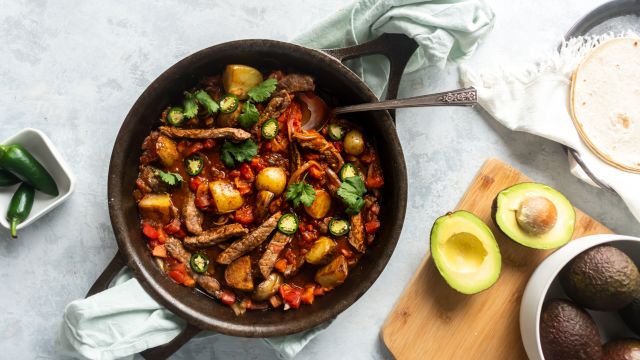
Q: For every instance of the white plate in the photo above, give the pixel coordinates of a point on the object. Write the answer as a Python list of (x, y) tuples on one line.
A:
[(39, 145)]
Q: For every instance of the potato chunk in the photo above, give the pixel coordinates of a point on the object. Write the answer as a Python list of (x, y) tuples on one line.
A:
[(320, 206), (225, 196), (334, 273), (272, 179), (320, 250), (167, 151), (238, 274), (156, 207), (269, 287), (239, 79)]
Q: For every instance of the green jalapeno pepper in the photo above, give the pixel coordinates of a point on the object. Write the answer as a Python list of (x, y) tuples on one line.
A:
[(20, 207), (7, 178), (199, 262), (20, 162)]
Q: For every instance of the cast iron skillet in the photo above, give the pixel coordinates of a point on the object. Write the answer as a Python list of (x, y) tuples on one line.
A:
[(332, 77)]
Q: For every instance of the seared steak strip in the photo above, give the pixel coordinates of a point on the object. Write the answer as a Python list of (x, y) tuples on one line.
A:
[(249, 242), (356, 235), (275, 107), (218, 133), (192, 217), (270, 256), (296, 83), (315, 141), (211, 237), (207, 282)]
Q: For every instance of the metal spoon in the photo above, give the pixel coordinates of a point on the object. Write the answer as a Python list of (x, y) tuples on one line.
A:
[(460, 97)]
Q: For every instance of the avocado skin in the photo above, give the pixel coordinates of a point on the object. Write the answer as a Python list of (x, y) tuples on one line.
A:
[(630, 314), (623, 349), (567, 332), (601, 278)]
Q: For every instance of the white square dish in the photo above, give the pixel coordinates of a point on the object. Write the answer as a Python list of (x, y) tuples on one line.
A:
[(41, 147)]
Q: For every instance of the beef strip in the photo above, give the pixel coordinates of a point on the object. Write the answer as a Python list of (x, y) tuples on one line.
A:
[(249, 242), (333, 182), (270, 256), (206, 281), (211, 237), (356, 234), (296, 83), (151, 181), (275, 107), (192, 217), (218, 133), (315, 141)]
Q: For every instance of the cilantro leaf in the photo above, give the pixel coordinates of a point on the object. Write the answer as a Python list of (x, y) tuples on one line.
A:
[(205, 100), (169, 178), (190, 105), (263, 91), (249, 115), (351, 191), (231, 153), (301, 192)]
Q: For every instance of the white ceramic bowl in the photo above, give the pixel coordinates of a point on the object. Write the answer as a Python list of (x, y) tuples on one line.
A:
[(544, 285), (39, 145)]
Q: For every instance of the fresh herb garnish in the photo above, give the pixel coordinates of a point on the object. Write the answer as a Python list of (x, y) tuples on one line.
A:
[(169, 178), (301, 192), (190, 105), (205, 100), (351, 192), (231, 153), (263, 91), (249, 115)]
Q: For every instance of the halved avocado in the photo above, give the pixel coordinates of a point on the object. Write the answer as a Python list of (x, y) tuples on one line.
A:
[(534, 215), (465, 252)]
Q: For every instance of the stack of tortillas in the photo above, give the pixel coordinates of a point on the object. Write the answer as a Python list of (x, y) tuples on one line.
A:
[(605, 102)]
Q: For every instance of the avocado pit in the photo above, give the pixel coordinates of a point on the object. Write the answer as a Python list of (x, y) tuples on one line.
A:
[(536, 215)]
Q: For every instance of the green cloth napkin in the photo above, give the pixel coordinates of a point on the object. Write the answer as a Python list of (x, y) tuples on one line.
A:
[(124, 320), (444, 30)]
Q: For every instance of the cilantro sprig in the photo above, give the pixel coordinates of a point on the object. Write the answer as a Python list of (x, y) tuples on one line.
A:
[(231, 153), (249, 115), (301, 192), (351, 191), (190, 105), (263, 90), (205, 100), (169, 178)]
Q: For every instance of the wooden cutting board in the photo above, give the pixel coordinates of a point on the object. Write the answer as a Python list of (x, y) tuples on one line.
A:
[(432, 321)]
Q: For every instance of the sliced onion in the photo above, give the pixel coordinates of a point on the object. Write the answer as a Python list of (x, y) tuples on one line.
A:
[(294, 177), (316, 113)]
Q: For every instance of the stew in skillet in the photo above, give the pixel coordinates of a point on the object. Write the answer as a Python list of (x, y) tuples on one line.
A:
[(235, 197)]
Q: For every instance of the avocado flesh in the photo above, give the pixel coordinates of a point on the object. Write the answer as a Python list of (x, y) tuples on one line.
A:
[(465, 252), (507, 203), (601, 278), (568, 332), (623, 349)]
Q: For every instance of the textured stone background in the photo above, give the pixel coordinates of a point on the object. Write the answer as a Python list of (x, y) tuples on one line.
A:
[(74, 68)]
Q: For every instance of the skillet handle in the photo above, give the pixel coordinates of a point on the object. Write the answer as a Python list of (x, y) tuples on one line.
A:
[(103, 281), (398, 48), (162, 352), (158, 352)]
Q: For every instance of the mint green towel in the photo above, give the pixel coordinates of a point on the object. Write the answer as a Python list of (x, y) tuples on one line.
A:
[(125, 320)]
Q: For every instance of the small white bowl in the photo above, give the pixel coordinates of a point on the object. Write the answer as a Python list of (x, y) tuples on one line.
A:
[(544, 285), (39, 145)]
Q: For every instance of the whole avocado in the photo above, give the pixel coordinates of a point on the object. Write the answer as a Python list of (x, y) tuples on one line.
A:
[(601, 278), (630, 314), (567, 332), (623, 349)]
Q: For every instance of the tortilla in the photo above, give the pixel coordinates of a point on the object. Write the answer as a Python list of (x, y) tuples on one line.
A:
[(605, 102)]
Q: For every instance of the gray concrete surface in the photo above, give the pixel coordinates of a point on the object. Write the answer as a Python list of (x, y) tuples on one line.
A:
[(73, 69)]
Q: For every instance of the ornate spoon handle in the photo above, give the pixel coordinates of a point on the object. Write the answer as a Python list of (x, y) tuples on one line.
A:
[(460, 97)]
